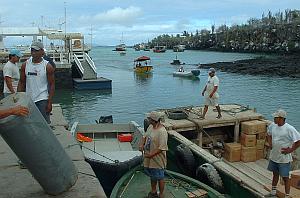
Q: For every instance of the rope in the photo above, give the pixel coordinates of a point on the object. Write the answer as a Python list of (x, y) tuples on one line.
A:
[(115, 161)]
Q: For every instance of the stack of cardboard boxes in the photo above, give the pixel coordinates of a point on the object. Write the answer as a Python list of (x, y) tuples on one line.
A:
[(252, 142)]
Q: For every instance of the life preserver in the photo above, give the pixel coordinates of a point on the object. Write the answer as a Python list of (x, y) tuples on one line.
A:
[(208, 174), (185, 160)]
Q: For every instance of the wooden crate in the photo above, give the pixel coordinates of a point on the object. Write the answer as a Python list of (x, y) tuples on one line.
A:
[(253, 127), (248, 140), (260, 144), (232, 152), (261, 136), (259, 154), (295, 178), (248, 154)]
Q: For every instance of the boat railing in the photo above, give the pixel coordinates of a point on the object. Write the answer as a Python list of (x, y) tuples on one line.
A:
[(78, 63), (90, 62)]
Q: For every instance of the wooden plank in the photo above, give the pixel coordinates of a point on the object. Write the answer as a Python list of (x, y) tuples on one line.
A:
[(252, 173), (261, 170)]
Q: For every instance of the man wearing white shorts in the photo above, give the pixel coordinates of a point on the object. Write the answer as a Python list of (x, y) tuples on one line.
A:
[(210, 93)]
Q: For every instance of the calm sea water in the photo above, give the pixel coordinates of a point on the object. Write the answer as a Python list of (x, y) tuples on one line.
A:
[(133, 95)]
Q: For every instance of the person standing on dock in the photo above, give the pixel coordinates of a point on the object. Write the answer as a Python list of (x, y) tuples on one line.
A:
[(36, 76), (154, 146), (210, 93), (283, 139), (11, 72)]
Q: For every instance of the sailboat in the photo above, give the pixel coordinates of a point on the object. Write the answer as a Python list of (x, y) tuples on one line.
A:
[(176, 61), (121, 46)]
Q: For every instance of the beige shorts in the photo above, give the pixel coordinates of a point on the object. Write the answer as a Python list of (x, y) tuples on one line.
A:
[(211, 101)]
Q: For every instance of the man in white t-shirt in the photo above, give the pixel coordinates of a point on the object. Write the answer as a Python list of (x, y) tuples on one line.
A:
[(210, 93), (283, 140), (11, 72), (37, 79)]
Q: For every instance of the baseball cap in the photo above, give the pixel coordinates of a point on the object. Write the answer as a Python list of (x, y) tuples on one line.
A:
[(279, 113), (37, 45), (16, 52), (154, 115), (211, 70)]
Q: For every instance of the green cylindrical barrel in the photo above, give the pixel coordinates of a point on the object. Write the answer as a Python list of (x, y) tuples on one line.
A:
[(33, 141)]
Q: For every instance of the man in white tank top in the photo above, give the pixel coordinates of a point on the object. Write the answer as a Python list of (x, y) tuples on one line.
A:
[(37, 79)]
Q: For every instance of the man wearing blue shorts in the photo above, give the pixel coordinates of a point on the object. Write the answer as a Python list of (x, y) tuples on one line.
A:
[(283, 140), (154, 145)]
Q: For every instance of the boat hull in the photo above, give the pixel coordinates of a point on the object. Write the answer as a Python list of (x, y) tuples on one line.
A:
[(136, 184), (143, 69), (193, 73), (109, 173), (231, 186)]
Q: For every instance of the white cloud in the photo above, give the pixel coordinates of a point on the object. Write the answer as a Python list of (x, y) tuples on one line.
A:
[(116, 16)]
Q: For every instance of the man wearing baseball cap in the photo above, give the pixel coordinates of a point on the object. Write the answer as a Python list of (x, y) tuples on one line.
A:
[(11, 72), (283, 139), (37, 79), (154, 146), (210, 93)]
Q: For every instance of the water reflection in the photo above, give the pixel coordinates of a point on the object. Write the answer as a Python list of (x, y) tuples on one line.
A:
[(143, 78)]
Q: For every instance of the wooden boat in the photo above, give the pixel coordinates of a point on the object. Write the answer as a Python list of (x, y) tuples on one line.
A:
[(159, 49), (192, 73), (136, 183), (110, 149), (142, 64), (196, 146)]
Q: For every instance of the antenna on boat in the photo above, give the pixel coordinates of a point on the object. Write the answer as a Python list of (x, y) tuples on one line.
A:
[(65, 8)]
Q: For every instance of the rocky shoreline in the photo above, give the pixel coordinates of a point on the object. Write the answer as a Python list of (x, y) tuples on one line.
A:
[(280, 66)]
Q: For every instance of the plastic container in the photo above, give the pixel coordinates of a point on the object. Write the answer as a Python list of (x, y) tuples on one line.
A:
[(36, 146), (125, 137)]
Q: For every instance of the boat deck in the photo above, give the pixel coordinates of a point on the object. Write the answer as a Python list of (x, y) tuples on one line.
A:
[(109, 149), (251, 175)]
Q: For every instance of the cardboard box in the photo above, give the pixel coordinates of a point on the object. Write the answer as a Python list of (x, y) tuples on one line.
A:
[(260, 144), (248, 154), (295, 178), (232, 152), (253, 127), (261, 136), (260, 154), (248, 140)]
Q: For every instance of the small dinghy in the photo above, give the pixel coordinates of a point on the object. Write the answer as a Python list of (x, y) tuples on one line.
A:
[(192, 73)]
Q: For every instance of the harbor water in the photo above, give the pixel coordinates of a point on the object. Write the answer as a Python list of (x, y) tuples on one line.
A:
[(133, 95)]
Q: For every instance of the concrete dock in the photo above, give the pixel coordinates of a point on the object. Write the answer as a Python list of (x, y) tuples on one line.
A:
[(18, 182)]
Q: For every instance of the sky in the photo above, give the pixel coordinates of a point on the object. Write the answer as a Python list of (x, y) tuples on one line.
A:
[(107, 22)]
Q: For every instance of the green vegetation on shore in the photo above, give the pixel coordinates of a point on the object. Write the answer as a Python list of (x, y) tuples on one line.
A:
[(273, 33)]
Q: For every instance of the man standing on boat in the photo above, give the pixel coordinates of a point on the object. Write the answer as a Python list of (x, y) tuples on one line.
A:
[(283, 140), (210, 93), (36, 76), (154, 146), (11, 73)]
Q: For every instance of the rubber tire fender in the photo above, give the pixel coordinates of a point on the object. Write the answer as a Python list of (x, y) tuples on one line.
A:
[(208, 174), (185, 160)]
